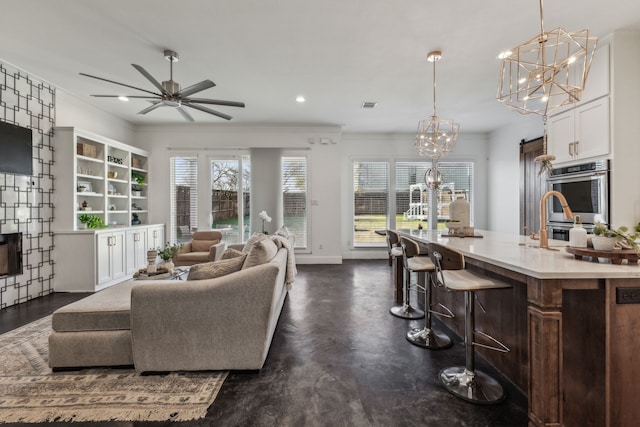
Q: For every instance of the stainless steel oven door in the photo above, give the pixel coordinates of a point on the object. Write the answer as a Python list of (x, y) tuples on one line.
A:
[(587, 195), (560, 230)]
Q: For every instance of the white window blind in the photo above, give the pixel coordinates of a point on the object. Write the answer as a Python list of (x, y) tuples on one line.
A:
[(370, 203), (294, 198), (183, 197)]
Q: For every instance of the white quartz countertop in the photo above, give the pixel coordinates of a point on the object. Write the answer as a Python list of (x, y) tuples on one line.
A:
[(523, 255)]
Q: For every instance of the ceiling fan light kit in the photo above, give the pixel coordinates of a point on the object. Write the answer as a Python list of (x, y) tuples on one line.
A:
[(170, 93)]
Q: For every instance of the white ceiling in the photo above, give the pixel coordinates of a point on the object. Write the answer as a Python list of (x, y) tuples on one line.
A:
[(337, 53)]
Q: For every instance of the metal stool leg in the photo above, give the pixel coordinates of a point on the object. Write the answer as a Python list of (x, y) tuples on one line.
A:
[(464, 381), (405, 310), (427, 337)]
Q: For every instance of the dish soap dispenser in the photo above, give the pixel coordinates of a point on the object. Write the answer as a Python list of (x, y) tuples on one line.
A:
[(577, 234)]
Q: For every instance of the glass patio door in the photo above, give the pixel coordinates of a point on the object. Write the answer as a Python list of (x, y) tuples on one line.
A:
[(230, 178)]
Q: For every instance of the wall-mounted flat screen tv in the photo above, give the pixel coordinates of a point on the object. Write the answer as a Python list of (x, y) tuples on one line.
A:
[(15, 149)]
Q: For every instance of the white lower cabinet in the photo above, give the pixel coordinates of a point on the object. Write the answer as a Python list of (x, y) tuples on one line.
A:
[(136, 249), (91, 260), (111, 256), (155, 237)]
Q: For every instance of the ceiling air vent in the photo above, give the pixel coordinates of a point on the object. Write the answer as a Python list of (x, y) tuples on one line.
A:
[(369, 104)]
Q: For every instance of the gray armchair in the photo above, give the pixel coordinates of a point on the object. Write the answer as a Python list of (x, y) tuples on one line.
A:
[(205, 246)]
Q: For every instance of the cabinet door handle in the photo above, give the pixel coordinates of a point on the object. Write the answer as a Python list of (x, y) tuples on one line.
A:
[(136, 237), (571, 149), (575, 148)]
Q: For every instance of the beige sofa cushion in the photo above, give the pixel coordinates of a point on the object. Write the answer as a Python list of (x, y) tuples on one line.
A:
[(202, 245), (231, 253), (256, 237), (261, 252), (211, 270)]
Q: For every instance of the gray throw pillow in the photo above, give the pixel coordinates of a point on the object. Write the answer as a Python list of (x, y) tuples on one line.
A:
[(284, 232), (231, 253), (211, 270), (256, 237), (261, 252)]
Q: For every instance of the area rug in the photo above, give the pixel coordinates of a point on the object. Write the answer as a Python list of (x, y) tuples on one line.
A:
[(31, 392)]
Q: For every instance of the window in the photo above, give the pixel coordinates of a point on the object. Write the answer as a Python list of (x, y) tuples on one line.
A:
[(370, 202), (294, 198), (183, 198), (410, 202), (230, 198)]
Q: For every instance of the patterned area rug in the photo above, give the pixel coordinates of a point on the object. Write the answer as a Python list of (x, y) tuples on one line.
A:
[(31, 392)]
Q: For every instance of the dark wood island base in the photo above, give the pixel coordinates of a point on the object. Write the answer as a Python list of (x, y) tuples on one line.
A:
[(573, 328)]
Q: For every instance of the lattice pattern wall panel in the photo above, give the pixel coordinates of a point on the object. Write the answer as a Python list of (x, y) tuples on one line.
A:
[(26, 204)]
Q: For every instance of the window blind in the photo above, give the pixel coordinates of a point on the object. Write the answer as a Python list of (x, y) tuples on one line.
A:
[(294, 198), (371, 203), (183, 197)]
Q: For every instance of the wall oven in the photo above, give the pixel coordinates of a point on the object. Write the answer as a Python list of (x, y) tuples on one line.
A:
[(586, 188)]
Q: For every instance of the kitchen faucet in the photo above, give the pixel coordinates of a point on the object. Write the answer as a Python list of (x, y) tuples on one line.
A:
[(544, 239)]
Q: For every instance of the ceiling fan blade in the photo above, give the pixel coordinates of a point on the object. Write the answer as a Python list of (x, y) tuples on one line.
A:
[(151, 79), (205, 84), (185, 114), (208, 110), (117, 83), (215, 102), (151, 107), (128, 96)]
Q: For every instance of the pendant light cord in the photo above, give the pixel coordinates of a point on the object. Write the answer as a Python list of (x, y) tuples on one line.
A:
[(434, 88)]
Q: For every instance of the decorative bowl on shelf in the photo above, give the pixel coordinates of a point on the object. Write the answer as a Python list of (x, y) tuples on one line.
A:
[(113, 175)]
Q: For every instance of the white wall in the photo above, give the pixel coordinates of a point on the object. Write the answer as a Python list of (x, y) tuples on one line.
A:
[(503, 177), (74, 112), (324, 178), (469, 147)]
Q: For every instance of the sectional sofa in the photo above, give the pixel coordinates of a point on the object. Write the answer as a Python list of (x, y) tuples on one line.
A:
[(221, 323)]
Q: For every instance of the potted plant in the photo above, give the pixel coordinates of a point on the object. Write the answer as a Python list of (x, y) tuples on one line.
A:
[(82, 188), (168, 252), (137, 184), (605, 239), (91, 221)]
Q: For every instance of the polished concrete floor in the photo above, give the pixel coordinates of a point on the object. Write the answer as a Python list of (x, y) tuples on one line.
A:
[(338, 358)]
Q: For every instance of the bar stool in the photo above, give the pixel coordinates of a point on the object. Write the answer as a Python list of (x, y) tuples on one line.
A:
[(424, 337), (419, 264), (393, 246), (466, 382)]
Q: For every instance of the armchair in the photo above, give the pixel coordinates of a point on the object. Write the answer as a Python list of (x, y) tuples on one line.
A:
[(205, 246)]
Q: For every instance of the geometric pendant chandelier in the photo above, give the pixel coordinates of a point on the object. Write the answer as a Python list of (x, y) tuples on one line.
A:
[(436, 137), (546, 72)]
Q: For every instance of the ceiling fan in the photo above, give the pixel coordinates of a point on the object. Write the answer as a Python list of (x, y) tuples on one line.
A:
[(171, 95)]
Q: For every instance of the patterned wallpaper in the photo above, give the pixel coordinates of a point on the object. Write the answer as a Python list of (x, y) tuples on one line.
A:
[(26, 204)]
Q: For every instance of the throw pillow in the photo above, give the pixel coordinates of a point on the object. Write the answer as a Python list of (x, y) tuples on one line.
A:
[(261, 252), (231, 253), (211, 270), (284, 232), (202, 245), (256, 237)]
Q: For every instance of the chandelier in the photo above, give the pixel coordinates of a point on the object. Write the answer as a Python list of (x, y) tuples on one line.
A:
[(546, 72), (436, 137)]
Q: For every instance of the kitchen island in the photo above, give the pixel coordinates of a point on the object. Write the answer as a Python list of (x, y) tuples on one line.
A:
[(573, 326)]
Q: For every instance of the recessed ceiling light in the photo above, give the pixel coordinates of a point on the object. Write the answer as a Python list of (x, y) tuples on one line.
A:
[(369, 104), (123, 98), (300, 99)]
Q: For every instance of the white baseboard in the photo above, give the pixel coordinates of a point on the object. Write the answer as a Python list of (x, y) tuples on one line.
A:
[(311, 259)]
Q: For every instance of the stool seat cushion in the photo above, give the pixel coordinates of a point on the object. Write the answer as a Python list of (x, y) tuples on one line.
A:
[(420, 263), (466, 280), (396, 251)]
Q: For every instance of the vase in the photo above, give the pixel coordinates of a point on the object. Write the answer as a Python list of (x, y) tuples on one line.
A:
[(601, 243), (168, 265)]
